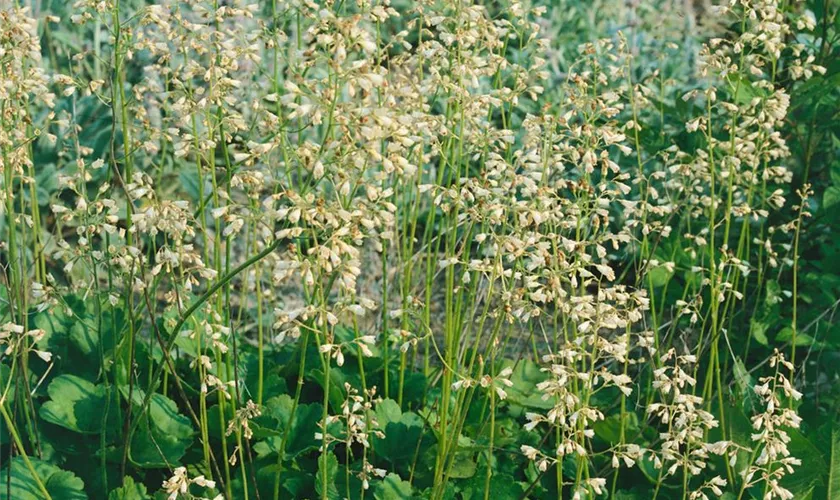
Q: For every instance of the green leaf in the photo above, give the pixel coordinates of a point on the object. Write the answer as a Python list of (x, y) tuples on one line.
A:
[(463, 466), (740, 428), (628, 495), (129, 491), (305, 425), (403, 432), (189, 182), (743, 91), (84, 337), (758, 331), (609, 429), (414, 389), (648, 468), (831, 197), (786, 335), (744, 383), (76, 404), (525, 377), (151, 449), (164, 413), (295, 482), (273, 383), (773, 291), (163, 436), (835, 167), (659, 276), (833, 482), (327, 474), (55, 324), (392, 488), (302, 436), (743, 379), (47, 181), (60, 484), (388, 411), (501, 486), (812, 470), (88, 340)]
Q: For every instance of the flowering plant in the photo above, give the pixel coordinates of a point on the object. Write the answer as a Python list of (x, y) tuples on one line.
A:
[(419, 249)]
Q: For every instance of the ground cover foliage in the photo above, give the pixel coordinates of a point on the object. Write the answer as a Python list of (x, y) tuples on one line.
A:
[(419, 249)]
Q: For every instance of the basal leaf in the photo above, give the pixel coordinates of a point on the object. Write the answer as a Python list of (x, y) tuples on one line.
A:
[(609, 429), (833, 480), (304, 426), (463, 466), (758, 331), (151, 448), (130, 490), (802, 339), (831, 197), (403, 432), (392, 487), (813, 469), (60, 484), (525, 377), (327, 472), (164, 414), (501, 486), (76, 404), (163, 436)]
